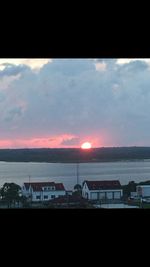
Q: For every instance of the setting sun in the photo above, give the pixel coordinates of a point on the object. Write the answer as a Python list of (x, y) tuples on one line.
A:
[(86, 145)]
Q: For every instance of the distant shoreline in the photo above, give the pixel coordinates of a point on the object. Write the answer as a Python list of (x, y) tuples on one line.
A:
[(94, 155), (82, 162)]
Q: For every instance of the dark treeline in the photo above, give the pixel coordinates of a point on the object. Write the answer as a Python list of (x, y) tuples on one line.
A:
[(75, 155)]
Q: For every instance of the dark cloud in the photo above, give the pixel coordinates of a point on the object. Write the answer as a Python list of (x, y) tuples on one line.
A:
[(12, 70), (70, 96), (68, 67), (133, 66), (14, 113), (71, 142)]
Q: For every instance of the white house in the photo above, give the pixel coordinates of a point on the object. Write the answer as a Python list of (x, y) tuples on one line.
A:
[(143, 190), (43, 191), (96, 190)]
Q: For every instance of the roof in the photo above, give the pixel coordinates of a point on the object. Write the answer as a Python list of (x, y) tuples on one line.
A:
[(59, 186), (38, 186), (103, 185)]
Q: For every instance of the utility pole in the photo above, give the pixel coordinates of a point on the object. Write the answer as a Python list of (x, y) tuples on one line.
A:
[(30, 186), (77, 173)]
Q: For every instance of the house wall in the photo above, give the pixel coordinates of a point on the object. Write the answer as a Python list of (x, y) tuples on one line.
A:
[(85, 192), (25, 192), (41, 194), (143, 191), (118, 194), (106, 194), (101, 194)]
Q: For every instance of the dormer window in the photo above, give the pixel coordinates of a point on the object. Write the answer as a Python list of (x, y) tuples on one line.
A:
[(48, 188), (45, 188)]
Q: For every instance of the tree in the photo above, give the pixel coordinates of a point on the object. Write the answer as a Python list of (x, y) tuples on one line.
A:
[(24, 201), (130, 187), (77, 190), (10, 192), (77, 187)]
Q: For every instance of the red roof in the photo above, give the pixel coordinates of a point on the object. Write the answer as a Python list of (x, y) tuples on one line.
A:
[(38, 186), (102, 185), (59, 186)]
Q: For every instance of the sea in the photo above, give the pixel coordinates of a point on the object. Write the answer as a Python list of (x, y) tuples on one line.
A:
[(124, 171)]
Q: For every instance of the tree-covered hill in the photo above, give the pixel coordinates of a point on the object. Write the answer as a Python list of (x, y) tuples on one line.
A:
[(75, 155)]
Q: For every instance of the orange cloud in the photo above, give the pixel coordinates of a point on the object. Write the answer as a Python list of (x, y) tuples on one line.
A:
[(37, 142), (59, 141), (5, 143)]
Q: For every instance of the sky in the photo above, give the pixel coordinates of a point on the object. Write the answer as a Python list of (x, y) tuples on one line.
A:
[(64, 102)]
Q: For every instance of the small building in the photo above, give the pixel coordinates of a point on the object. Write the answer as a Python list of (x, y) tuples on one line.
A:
[(143, 190), (133, 194), (102, 190), (69, 192), (43, 191)]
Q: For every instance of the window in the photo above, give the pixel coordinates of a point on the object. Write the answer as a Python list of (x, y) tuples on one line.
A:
[(48, 188), (45, 188), (45, 197), (52, 196), (38, 197)]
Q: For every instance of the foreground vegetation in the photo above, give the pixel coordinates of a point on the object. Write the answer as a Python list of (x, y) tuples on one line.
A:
[(10, 196)]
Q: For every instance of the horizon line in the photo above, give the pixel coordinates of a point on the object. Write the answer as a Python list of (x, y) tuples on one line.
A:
[(75, 147)]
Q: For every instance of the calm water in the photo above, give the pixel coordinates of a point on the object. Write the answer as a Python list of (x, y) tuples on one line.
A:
[(66, 173)]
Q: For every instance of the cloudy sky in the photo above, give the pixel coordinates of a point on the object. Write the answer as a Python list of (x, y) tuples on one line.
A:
[(65, 102)]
